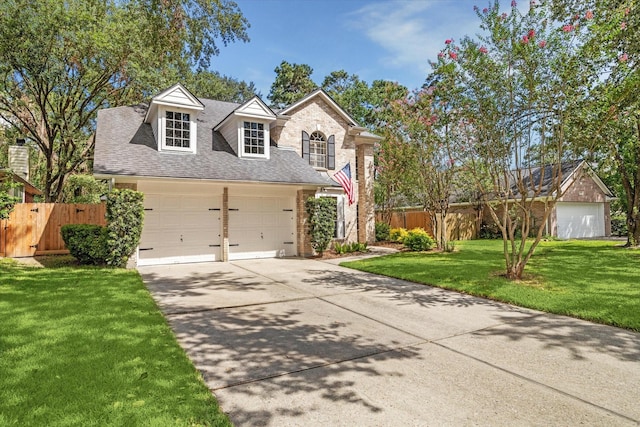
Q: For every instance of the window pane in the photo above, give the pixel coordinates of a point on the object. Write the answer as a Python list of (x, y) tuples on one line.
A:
[(169, 115), (185, 117), (260, 126), (185, 134)]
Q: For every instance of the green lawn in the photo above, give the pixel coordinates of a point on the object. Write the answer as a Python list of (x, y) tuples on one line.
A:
[(593, 280), (88, 346)]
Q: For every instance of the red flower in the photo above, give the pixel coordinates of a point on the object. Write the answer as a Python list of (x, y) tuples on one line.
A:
[(504, 16), (448, 41), (623, 25), (524, 40), (623, 58), (589, 15), (483, 50), (542, 43), (485, 10), (531, 34), (568, 28), (440, 55), (453, 55), (513, 3)]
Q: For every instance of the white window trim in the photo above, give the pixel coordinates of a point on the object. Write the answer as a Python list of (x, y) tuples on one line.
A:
[(267, 138), (193, 129)]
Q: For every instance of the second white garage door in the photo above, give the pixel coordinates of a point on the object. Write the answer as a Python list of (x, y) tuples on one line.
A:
[(576, 220), (261, 227)]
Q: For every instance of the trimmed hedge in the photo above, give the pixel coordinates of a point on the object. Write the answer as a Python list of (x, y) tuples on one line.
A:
[(322, 221), (114, 244), (417, 239), (382, 231), (86, 242), (125, 214)]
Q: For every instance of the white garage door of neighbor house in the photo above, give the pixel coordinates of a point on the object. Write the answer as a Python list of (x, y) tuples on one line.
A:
[(577, 220), (261, 227), (180, 229)]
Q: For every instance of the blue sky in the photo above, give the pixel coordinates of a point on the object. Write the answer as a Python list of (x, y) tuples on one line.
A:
[(391, 40)]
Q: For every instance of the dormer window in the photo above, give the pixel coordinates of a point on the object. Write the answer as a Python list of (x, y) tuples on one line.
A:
[(177, 129), (172, 116), (253, 138)]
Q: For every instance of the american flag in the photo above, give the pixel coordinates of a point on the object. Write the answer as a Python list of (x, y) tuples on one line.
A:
[(343, 177)]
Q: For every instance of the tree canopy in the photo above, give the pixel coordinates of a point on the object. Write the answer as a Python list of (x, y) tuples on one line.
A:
[(62, 60)]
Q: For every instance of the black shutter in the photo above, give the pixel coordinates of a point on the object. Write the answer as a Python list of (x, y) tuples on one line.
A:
[(331, 152), (305, 146)]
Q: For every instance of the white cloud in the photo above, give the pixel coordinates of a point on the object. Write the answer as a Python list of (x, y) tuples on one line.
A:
[(413, 32)]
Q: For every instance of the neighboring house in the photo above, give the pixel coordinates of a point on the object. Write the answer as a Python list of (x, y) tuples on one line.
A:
[(224, 181), (25, 191), (582, 211), (18, 172)]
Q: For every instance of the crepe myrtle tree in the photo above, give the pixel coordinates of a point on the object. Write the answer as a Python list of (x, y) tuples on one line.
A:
[(425, 152), (519, 81)]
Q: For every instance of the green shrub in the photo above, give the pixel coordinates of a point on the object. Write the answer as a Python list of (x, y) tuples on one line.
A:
[(397, 234), (322, 219), (340, 248), (418, 240), (125, 213), (382, 231), (347, 248), (359, 247), (489, 231), (86, 242), (619, 224)]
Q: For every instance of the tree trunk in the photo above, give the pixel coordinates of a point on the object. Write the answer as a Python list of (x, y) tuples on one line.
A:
[(633, 225)]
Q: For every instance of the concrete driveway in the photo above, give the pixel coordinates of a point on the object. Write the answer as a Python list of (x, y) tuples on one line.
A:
[(293, 342)]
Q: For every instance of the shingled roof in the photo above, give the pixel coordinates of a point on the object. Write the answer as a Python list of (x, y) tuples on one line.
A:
[(125, 146)]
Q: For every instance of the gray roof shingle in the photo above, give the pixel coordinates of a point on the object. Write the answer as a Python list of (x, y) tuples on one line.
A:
[(126, 146)]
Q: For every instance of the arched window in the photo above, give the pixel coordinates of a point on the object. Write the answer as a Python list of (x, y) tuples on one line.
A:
[(318, 150)]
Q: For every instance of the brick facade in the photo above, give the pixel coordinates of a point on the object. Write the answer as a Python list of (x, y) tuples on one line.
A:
[(316, 114)]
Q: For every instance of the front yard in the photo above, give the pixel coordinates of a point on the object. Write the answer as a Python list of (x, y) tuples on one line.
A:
[(88, 346), (592, 280)]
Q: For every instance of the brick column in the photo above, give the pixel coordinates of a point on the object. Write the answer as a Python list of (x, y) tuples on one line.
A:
[(225, 224), (366, 208)]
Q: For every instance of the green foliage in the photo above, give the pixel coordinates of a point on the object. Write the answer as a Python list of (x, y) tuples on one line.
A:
[(83, 189), (86, 242), (619, 224), (293, 82), (7, 200), (347, 248), (125, 213), (322, 218), (489, 230), (212, 85), (417, 239), (382, 231), (398, 234)]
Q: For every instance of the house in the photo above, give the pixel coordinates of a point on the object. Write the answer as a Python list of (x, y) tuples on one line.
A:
[(224, 181), (582, 210), (18, 172)]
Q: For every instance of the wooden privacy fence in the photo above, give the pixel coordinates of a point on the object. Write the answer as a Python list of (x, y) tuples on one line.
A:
[(460, 225), (34, 228)]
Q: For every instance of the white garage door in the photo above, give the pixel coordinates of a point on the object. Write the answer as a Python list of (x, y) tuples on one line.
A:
[(577, 220), (261, 227), (180, 229)]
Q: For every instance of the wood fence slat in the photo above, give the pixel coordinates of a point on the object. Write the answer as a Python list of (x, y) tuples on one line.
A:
[(460, 225), (34, 228)]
